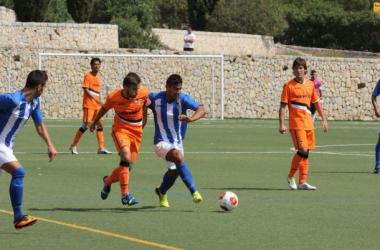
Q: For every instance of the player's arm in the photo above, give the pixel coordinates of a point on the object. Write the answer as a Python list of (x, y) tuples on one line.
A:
[(319, 109), (43, 132), (88, 93), (100, 114), (375, 107), (145, 111), (281, 115), (199, 113)]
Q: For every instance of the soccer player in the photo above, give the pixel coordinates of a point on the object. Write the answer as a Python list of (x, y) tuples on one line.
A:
[(318, 89), (130, 104), (297, 94), (375, 94), (15, 110), (170, 119), (91, 106)]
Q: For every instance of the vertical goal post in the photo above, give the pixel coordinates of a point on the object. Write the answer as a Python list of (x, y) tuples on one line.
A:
[(138, 57)]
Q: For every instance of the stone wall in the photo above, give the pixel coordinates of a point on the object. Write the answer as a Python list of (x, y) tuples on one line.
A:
[(7, 15), (253, 84), (219, 43)]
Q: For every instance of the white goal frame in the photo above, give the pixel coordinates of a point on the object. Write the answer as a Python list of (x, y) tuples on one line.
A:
[(220, 57)]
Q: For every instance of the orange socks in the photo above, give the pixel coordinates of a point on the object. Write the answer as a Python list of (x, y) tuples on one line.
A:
[(124, 180), (300, 162), (78, 135), (304, 169), (100, 135)]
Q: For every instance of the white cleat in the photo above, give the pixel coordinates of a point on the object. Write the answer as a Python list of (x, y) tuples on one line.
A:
[(292, 183), (306, 186), (74, 150), (104, 151)]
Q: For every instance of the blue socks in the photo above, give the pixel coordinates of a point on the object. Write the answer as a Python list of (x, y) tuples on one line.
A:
[(378, 155), (167, 182), (16, 191), (186, 176)]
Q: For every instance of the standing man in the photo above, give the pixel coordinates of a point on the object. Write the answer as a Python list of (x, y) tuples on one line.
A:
[(91, 106), (170, 120), (318, 89), (375, 94), (189, 40), (130, 104), (297, 94), (15, 110)]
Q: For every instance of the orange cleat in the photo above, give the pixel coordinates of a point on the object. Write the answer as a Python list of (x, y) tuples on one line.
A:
[(25, 222)]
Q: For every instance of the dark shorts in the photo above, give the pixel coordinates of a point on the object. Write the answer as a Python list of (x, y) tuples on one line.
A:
[(188, 49), (312, 108)]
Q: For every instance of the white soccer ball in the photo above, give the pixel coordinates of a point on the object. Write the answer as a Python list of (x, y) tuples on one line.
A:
[(228, 201)]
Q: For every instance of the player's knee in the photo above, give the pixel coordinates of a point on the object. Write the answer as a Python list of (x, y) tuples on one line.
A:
[(303, 153), (19, 173), (99, 129), (126, 164), (173, 172)]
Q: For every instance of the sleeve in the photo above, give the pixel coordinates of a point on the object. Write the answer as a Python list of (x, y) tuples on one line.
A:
[(190, 103), (86, 82), (37, 115), (108, 104), (376, 91), (6, 102), (285, 94)]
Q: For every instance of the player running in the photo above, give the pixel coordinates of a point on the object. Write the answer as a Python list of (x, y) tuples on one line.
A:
[(170, 120), (91, 106), (15, 110), (297, 94), (130, 105)]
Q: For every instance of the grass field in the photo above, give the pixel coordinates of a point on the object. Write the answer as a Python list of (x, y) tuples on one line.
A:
[(248, 157)]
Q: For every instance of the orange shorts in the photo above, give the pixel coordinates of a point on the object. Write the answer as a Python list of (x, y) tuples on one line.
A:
[(303, 139), (123, 138), (90, 114)]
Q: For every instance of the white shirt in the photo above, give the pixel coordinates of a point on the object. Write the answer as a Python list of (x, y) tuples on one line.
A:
[(188, 44)]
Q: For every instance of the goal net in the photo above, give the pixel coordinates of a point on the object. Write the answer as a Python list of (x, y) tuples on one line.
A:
[(202, 78)]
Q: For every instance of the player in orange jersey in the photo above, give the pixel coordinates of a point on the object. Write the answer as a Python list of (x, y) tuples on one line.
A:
[(91, 105), (130, 105), (297, 94)]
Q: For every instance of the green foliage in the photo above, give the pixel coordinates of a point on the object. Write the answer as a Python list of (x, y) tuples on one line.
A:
[(57, 12), (79, 10), (7, 3), (31, 11), (171, 13), (101, 11), (259, 17), (198, 10)]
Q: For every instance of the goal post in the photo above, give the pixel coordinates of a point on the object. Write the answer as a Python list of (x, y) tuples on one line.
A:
[(203, 77)]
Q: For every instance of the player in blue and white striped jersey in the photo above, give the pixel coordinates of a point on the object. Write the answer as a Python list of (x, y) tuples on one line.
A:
[(170, 119), (15, 110)]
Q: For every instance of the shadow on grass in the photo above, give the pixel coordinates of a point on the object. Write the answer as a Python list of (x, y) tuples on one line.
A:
[(343, 172), (116, 210), (258, 189)]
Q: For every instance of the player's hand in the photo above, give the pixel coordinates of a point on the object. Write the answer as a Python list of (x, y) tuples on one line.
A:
[(92, 127), (99, 102), (377, 113), (282, 129), (325, 126), (148, 102), (52, 152), (184, 118)]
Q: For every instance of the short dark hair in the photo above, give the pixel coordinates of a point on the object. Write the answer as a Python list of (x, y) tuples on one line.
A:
[(95, 59), (313, 71), (35, 78), (299, 62), (174, 80), (132, 79)]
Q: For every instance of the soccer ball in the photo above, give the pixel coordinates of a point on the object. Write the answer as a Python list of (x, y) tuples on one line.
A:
[(228, 201)]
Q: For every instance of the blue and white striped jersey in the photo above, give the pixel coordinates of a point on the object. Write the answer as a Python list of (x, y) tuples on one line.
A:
[(15, 111), (167, 125), (376, 91)]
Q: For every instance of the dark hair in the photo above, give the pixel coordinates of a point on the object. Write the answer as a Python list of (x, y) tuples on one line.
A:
[(95, 59), (299, 62), (35, 78), (174, 80), (313, 71), (132, 79)]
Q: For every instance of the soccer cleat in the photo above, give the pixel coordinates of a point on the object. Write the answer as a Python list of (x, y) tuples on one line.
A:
[(292, 183), (376, 171), (104, 151), (106, 189), (162, 197), (129, 200), (73, 150), (25, 222), (197, 198), (306, 186)]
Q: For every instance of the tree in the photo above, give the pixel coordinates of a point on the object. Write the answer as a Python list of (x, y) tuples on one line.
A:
[(101, 11), (57, 12), (7, 3), (171, 13), (79, 10), (198, 10), (31, 11), (259, 17)]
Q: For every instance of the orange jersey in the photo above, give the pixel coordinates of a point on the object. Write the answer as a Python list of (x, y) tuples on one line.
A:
[(128, 112), (298, 97), (93, 84)]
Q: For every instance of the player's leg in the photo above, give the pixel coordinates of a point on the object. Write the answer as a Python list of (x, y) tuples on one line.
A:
[(100, 136), (87, 118), (377, 153), (309, 142), (312, 110), (176, 156), (9, 164)]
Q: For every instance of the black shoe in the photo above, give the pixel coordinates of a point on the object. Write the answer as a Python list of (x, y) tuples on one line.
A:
[(376, 171)]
